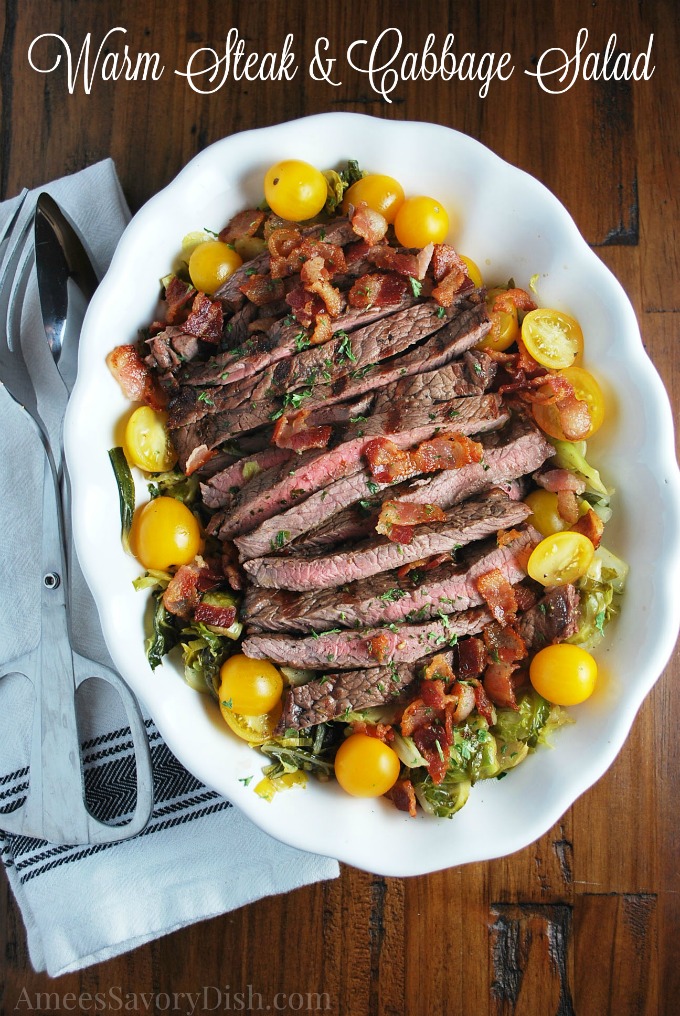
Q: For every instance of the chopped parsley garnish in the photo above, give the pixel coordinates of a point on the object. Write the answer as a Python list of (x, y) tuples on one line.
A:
[(280, 540), (301, 341), (441, 312), (416, 286), (391, 595), (205, 398), (373, 487), (245, 780), (344, 350)]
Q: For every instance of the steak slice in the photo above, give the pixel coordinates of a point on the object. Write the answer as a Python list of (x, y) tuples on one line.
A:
[(316, 470), (467, 522), (374, 647), (336, 695), (340, 356), (554, 618), (385, 598)]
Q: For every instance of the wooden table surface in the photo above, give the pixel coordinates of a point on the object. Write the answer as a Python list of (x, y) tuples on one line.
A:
[(586, 920)]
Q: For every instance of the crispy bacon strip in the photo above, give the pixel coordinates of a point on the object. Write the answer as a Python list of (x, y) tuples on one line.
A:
[(503, 643), (498, 684), (403, 797), (439, 668), (182, 594), (263, 289), (378, 647), (389, 259), (397, 519), (556, 480), (284, 257), (305, 306), (424, 564), (471, 658), (590, 525), (332, 254), (221, 617), (381, 731), (177, 296), (323, 330), (198, 457), (315, 277), (205, 319), (510, 299), (135, 378), (245, 223), (291, 431), (371, 226), (499, 595), (388, 463), (231, 567), (483, 703), (377, 289)]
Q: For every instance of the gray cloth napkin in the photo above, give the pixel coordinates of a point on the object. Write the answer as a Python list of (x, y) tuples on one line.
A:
[(198, 856)]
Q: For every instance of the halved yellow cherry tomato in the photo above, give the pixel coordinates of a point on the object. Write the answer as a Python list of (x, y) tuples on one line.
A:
[(554, 339), (504, 325), (420, 221), (165, 533), (563, 674), (365, 766), (251, 687), (472, 270), (383, 194), (560, 558), (545, 517), (254, 729), (587, 390), (295, 190), (211, 263), (147, 442)]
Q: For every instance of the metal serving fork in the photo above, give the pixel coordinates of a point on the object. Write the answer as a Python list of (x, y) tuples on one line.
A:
[(55, 807)]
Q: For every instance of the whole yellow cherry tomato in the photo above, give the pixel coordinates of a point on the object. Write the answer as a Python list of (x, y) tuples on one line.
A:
[(211, 263), (587, 390), (560, 558), (383, 194), (563, 674), (250, 687), (420, 221), (545, 516), (554, 339), (295, 190), (147, 442), (366, 766), (254, 729), (165, 533)]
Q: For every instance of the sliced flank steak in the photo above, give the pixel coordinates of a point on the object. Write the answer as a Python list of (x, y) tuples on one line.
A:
[(386, 598), (554, 618), (374, 647), (268, 495), (465, 523)]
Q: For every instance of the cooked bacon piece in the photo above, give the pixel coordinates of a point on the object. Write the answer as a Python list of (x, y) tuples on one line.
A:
[(263, 289), (471, 658), (323, 330), (552, 390), (511, 299), (433, 743), (177, 296), (525, 361), (483, 703), (377, 289), (205, 319), (315, 277), (231, 568), (198, 457), (504, 644), (403, 797), (397, 519), (305, 306), (290, 431), (439, 669), (444, 260), (371, 226), (389, 463), (378, 647), (456, 282), (221, 617), (465, 694), (560, 479), (135, 378), (574, 416), (392, 260), (332, 254), (424, 564), (182, 594), (245, 223), (505, 537), (499, 686), (356, 252), (498, 595), (567, 506), (590, 525), (284, 256), (381, 731)]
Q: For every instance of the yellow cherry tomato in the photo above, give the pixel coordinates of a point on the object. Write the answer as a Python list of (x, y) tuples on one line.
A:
[(254, 729), (147, 442), (383, 194), (545, 517), (295, 190), (554, 339), (560, 558), (165, 533), (587, 390), (251, 687), (420, 221), (504, 325), (473, 271), (365, 766), (563, 674), (211, 263)]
